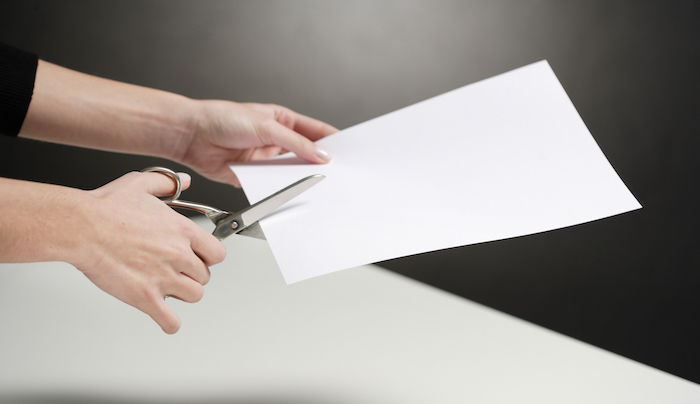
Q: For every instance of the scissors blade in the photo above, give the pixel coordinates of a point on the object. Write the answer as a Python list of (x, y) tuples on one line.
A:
[(254, 231), (239, 221)]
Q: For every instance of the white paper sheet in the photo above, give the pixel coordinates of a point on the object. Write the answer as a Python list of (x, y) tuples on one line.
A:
[(503, 157)]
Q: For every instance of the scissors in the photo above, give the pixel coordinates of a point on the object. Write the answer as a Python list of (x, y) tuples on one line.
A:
[(243, 221)]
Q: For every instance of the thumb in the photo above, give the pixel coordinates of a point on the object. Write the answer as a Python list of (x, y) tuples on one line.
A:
[(161, 184)]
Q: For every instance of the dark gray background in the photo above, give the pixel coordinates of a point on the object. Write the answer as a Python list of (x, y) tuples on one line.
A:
[(629, 284)]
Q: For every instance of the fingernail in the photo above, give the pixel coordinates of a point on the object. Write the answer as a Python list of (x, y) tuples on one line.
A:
[(184, 177), (323, 155)]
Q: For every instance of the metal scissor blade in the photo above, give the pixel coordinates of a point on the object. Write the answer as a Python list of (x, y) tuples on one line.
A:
[(270, 204), (239, 221), (254, 231)]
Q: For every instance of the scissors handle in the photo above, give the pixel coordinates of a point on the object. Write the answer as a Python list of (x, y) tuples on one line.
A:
[(172, 200), (228, 223), (209, 211)]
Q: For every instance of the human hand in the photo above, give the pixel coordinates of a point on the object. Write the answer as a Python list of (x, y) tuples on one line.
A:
[(228, 132), (137, 249), (74, 108)]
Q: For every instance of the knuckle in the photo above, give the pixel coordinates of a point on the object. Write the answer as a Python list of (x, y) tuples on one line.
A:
[(202, 272), (219, 252), (197, 293), (186, 227), (169, 252), (207, 276), (265, 131), (133, 175), (151, 296), (198, 272), (285, 116), (306, 143), (182, 256), (303, 145)]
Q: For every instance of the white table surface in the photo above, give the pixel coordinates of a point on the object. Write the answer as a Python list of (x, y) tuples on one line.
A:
[(363, 335)]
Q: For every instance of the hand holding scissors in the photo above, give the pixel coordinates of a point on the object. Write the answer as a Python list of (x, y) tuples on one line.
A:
[(147, 251), (241, 222)]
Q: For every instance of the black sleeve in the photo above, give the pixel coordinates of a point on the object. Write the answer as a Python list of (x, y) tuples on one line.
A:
[(17, 73)]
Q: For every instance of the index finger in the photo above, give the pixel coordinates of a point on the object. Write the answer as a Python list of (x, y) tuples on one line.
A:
[(312, 128), (160, 184), (205, 246)]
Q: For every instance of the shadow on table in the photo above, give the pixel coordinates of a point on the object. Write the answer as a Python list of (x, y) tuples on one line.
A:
[(79, 398)]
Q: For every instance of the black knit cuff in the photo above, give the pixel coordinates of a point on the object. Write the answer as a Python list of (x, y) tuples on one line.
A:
[(17, 73)]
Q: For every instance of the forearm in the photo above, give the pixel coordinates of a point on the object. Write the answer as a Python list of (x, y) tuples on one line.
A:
[(38, 222), (78, 109)]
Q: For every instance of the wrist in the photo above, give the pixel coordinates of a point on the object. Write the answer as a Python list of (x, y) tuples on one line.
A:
[(38, 221), (185, 122), (70, 226), (178, 124)]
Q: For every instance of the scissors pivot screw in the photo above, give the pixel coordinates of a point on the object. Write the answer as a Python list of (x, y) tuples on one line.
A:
[(228, 223)]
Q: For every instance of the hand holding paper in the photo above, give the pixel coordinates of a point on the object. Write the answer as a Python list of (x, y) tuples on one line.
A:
[(504, 157), (228, 131)]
